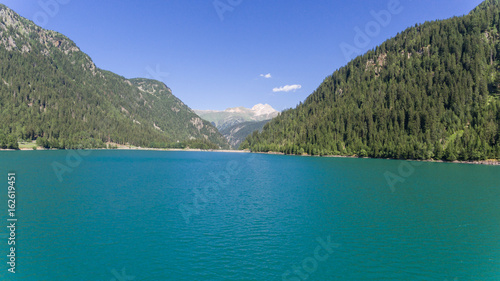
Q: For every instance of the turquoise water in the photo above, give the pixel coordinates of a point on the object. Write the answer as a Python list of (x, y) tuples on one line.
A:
[(145, 215)]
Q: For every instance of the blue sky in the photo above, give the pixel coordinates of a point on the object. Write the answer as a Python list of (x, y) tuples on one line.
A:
[(217, 54)]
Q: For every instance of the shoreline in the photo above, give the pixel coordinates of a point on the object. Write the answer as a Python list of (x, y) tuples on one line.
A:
[(489, 162), (136, 148)]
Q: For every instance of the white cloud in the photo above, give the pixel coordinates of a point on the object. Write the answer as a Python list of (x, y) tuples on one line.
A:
[(287, 88), (267, 76)]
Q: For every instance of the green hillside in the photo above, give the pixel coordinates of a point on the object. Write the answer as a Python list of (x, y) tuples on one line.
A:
[(431, 92), (51, 91)]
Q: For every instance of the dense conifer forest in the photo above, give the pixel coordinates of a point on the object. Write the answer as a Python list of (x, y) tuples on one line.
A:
[(431, 92)]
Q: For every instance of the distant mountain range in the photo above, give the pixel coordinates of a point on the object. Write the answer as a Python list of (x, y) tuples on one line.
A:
[(237, 133), (51, 90), (237, 123), (232, 116), (431, 92)]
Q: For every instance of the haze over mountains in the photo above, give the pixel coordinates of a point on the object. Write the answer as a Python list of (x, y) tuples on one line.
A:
[(237, 123), (431, 92), (51, 90), (236, 115), (237, 133)]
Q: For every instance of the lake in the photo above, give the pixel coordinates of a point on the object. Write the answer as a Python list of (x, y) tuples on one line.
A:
[(151, 215)]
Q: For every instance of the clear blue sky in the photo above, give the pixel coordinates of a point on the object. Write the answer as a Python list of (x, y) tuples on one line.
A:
[(214, 59)]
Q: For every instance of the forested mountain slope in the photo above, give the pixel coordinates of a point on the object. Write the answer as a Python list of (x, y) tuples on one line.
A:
[(430, 92), (49, 89), (236, 134)]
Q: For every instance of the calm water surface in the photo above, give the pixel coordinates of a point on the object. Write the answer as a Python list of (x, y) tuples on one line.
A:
[(146, 215)]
